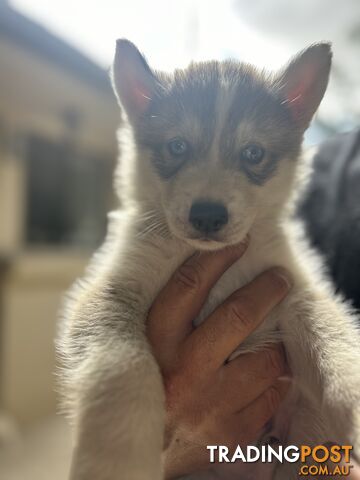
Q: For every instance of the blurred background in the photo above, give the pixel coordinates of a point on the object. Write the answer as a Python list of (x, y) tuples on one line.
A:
[(58, 118)]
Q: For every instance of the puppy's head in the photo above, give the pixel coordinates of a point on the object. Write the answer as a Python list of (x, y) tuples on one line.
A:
[(217, 143)]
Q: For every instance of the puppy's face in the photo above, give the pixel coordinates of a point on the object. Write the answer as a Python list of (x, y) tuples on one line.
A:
[(218, 142)]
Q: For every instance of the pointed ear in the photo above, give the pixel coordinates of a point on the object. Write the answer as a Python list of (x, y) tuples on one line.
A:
[(134, 82), (304, 80)]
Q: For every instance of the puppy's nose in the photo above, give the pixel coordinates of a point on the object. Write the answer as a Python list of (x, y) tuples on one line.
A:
[(208, 217)]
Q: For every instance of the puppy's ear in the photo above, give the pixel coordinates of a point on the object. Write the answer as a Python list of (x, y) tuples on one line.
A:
[(134, 82), (302, 83)]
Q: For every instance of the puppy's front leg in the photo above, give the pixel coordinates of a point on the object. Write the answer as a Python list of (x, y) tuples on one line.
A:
[(119, 414), (113, 387), (323, 347), (321, 340)]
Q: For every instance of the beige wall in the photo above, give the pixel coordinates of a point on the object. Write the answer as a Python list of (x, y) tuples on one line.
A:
[(31, 299), (34, 95), (12, 192)]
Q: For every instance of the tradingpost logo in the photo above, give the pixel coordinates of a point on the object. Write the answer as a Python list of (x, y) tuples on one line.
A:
[(313, 460)]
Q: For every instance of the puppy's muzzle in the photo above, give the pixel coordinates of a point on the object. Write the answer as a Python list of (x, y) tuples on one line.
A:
[(208, 217)]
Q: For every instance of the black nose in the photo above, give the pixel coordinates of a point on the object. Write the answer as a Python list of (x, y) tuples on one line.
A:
[(208, 217)]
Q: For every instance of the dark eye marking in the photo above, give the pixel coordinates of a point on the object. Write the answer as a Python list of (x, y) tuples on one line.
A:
[(178, 147), (168, 157), (252, 154), (257, 164)]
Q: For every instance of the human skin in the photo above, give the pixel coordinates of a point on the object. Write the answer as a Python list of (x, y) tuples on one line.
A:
[(211, 401)]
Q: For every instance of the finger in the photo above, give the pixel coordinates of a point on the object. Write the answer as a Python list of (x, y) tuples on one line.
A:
[(248, 376), (252, 420), (170, 317), (228, 326)]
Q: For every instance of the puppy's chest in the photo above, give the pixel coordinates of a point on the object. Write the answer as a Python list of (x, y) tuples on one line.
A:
[(236, 277)]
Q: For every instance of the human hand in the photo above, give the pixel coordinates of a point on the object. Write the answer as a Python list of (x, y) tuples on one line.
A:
[(211, 401)]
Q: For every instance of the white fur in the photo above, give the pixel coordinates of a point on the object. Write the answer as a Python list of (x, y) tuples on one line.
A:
[(114, 385)]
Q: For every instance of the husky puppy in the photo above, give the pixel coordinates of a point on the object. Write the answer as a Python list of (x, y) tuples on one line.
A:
[(209, 154)]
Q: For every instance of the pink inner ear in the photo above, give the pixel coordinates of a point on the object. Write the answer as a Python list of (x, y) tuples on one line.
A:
[(133, 88), (296, 95), (141, 97)]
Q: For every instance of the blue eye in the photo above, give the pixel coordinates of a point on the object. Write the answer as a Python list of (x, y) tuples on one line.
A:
[(252, 154), (178, 147)]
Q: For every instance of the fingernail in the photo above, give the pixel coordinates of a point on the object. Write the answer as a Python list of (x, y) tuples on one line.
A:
[(284, 275)]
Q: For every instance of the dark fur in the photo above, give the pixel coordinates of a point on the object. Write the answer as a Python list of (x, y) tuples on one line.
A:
[(193, 93)]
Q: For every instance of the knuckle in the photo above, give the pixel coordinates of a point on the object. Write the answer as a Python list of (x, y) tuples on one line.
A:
[(239, 315), (173, 385), (278, 282), (274, 361), (178, 375), (188, 277), (211, 336)]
